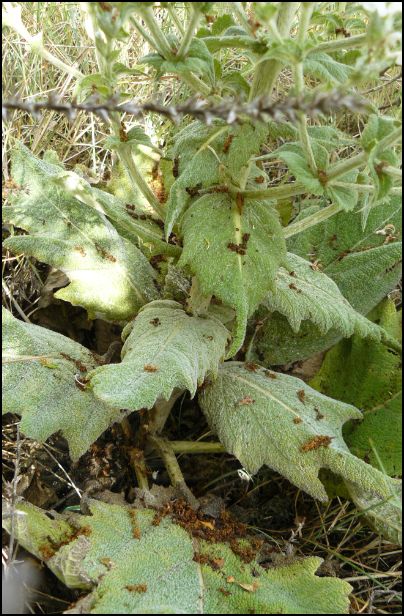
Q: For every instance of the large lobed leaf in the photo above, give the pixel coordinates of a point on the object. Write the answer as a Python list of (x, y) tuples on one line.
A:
[(263, 417), (132, 565), (303, 293), (165, 349), (108, 275), (234, 254), (367, 374), (44, 376), (351, 258)]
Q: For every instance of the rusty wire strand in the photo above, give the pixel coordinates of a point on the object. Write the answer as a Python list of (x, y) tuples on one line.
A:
[(260, 109)]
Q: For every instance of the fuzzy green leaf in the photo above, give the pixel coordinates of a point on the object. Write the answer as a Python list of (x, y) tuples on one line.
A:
[(293, 155), (99, 553), (351, 258), (326, 69), (108, 275), (234, 255), (384, 515), (166, 348), (367, 374), (208, 156), (301, 293), (198, 61), (346, 197), (44, 381), (262, 417)]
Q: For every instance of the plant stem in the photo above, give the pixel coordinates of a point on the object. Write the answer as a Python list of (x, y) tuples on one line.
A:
[(157, 33), (346, 43), (174, 17), (196, 84), (276, 192), (161, 411), (173, 469), (137, 178), (196, 447), (349, 164), (143, 32), (136, 456), (312, 220), (12, 19), (268, 70), (241, 15), (366, 188), (214, 43), (346, 165), (189, 33), (305, 16)]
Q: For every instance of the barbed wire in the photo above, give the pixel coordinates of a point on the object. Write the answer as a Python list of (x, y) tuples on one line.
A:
[(262, 108)]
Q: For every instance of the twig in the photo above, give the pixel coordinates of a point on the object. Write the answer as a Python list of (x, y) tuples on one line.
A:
[(262, 108)]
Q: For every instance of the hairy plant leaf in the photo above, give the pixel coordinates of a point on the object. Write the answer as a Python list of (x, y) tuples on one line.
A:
[(198, 61), (44, 381), (327, 69), (166, 348), (350, 257), (156, 571), (234, 254), (293, 155), (385, 516), (368, 375), (286, 425), (302, 293), (209, 156), (346, 197), (108, 275)]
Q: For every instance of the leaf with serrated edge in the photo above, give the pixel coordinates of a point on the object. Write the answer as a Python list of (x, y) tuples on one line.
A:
[(108, 275), (330, 243), (165, 349), (367, 374), (157, 572), (234, 256), (301, 293), (42, 372), (283, 428), (385, 516)]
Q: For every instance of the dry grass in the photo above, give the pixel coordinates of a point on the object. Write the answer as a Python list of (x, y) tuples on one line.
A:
[(290, 520)]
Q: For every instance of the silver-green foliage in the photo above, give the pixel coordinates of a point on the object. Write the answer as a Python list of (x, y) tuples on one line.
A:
[(108, 275), (234, 252), (351, 258), (263, 417), (165, 348), (157, 572), (44, 381)]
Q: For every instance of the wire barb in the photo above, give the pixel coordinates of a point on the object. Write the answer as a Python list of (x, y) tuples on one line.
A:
[(260, 109)]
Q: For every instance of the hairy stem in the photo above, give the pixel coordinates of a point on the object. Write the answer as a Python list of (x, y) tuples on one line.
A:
[(173, 469), (311, 220), (267, 71), (12, 19), (157, 33), (173, 14), (161, 411), (179, 447), (189, 33), (306, 12), (277, 192), (147, 37)]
